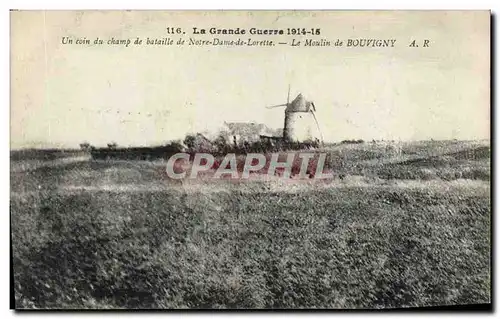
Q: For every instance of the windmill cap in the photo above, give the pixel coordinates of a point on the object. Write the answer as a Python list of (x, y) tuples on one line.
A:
[(299, 104)]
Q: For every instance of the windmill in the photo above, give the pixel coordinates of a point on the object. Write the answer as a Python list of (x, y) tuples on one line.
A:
[(299, 119)]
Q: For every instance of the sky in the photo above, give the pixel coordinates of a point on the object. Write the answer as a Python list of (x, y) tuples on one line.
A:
[(62, 95)]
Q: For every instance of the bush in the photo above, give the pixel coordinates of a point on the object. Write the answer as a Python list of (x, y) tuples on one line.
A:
[(352, 141)]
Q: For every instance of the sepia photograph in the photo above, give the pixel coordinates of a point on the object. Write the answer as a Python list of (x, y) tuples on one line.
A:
[(277, 160)]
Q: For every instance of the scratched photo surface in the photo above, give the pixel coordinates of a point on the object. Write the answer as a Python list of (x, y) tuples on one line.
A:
[(250, 159)]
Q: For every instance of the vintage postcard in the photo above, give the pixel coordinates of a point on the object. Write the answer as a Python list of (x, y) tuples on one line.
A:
[(250, 159)]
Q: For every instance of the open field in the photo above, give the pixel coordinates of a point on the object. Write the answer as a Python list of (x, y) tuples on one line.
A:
[(393, 229)]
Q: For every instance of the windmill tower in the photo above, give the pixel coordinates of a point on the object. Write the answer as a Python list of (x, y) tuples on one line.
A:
[(301, 124)]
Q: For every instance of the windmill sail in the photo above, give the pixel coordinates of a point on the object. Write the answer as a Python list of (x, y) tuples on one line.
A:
[(319, 129), (288, 96), (274, 106)]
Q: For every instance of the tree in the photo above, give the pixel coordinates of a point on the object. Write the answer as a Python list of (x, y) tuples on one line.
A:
[(221, 144), (189, 141), (175, 146), (85, 146)]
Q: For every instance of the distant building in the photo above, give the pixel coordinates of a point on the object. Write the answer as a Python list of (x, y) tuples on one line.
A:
[(250, 132)]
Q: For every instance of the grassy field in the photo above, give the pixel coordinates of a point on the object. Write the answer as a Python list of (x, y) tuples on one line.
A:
[(391, 230)]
